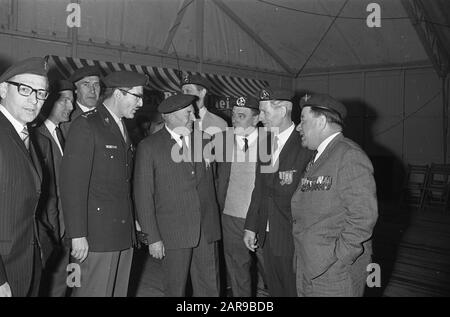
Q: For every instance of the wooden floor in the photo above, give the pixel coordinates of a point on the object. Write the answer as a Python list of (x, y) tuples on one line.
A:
[(412, 248)]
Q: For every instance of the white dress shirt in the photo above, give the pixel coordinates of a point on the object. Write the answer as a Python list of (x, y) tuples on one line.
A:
[(52, 129)]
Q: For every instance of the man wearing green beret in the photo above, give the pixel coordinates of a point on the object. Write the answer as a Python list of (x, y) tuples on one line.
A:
[(176, 203), (23, 89), (95, 188), (199, 86), (56, 110), (334, 208)]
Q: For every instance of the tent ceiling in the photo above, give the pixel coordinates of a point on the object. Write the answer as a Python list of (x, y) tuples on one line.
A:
[(275, 35)]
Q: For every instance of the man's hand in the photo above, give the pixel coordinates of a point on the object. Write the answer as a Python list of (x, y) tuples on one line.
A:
[(250, 240), (157, 250), (80, 248), (5, 290)]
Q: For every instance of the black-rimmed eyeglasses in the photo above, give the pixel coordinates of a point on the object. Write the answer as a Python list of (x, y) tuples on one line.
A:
[(137, 96), (26, 90)]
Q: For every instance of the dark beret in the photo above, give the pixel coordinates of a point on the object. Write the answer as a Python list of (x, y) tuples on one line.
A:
[(325, 102), (176, 102), (275, 94), (33, 65), (245, 101), (196, 80), (124, 79), (61, 85), (86, 71)]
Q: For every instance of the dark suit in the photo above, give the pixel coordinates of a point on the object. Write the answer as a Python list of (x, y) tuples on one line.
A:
[(333, 224), (54, 278), (65, 126), (95, 189), (271, 202), (20, 185), (176, 204)]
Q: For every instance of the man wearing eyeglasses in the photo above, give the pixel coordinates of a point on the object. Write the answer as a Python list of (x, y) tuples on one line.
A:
[(23, 89), (95, 188)]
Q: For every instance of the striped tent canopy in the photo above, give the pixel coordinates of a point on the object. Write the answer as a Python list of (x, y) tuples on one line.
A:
[(164, 79)]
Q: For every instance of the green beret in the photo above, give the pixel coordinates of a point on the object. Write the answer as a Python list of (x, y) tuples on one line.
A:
[(325, 102), (176, 102), (124, 79), (196, 80), (245, 101), (86, 71), (61, 85), (275, 94), (33, 65)]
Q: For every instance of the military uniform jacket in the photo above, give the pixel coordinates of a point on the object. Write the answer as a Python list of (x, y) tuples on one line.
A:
[(271, 201), (174, 201), (334, 208), (95, 183)]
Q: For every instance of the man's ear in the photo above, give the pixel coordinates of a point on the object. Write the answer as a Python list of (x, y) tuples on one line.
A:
[(3, 89), (203, 93)]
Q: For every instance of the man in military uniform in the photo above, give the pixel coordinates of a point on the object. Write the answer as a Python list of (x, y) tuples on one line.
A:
[(334, 208), (176, 203), (87, 89), (95, 188), (199, 86)]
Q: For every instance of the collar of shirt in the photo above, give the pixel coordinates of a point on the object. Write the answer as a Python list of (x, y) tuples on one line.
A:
[(202, 112), (177, 136), (251, 138), (284, 136), (16, 124), (324, 144), (83, 108), (50, 126)]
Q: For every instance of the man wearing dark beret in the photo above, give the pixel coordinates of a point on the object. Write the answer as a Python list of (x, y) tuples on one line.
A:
[(269, 220), (334, 208), (87, 89), (176, 202), (23, 89), (199, 86), (236, 179), (96, 191), (56, 110)]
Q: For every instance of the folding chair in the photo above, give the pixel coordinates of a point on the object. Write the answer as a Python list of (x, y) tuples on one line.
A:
[(438, 186), (414, 188)]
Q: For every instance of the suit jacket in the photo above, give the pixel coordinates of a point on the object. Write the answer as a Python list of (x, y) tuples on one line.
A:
[(20, 190), (271, 201), (65, 126), (174, 200), (56, 219), (95, 183), (211, 122), (334, 219)]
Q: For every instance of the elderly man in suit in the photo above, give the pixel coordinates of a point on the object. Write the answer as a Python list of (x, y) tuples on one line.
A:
[(199, 86), (236, 180), (334, 208), (87, 89), (57, 110), (176, 202), (23, 89), (96, 188), (269, 221)]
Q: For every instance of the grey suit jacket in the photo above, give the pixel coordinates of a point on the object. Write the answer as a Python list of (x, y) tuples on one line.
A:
[(334, 217), (211, 123), (174, 200)]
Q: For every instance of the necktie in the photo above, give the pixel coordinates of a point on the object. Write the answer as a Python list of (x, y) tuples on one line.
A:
[(122, 129), (24, 135), (245, 144), (311, 162), (60, 137)]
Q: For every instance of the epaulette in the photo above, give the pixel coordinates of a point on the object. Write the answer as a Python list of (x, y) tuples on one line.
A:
[(89, 113)]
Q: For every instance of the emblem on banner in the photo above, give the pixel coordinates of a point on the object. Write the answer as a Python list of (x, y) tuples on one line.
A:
[(240, 102), (264, 95)]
